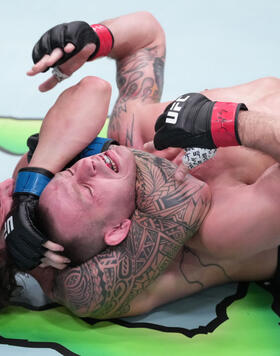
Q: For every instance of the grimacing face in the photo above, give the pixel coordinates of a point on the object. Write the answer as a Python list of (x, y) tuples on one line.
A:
[(96, 188)]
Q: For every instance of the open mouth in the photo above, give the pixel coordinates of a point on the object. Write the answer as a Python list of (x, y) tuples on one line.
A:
[(110, 163)]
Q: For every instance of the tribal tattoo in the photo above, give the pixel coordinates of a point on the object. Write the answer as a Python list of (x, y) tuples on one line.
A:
[(139, 77), (167, 215)]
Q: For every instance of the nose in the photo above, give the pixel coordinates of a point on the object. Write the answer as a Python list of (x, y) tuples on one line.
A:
[(85, 169)]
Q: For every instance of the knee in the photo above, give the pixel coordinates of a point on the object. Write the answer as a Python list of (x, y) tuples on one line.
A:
[(98, 85)]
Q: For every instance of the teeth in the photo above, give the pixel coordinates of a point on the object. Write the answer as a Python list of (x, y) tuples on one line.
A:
[(107, 159), (112, 164)]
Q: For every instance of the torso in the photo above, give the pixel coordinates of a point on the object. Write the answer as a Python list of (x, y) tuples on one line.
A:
[(231, 170)]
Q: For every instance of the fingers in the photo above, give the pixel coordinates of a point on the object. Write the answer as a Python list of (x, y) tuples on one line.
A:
[(78, 60), (55, 260), (46, 62), (53, 246), (48, 263), (149, 147), (48, 84), (181, 172), (69, 67), (69, 48)]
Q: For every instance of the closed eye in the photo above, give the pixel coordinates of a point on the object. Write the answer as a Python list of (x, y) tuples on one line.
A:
[(69, 171), (89, 188)]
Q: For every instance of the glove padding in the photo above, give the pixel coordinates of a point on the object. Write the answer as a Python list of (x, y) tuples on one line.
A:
[(78, 33), (23, 238), (192, 120)]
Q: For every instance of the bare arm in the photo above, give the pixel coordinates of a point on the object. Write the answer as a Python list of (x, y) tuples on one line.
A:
[(72, 123), (139, 50), (260, 131), (140, 56), (169, 215)]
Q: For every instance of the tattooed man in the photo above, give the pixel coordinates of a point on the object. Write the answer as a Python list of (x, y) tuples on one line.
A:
[(157, 262)]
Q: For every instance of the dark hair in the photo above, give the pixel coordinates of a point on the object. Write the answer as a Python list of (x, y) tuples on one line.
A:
[(76, 248), (8, 283)]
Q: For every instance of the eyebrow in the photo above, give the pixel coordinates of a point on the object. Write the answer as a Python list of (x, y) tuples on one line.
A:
[(80, 196)]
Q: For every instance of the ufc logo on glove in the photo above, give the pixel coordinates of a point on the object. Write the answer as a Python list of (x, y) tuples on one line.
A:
[(172, 115), (8, 226)]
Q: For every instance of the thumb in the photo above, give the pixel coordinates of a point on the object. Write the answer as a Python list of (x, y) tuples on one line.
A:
[(149, 147), (181, 172)]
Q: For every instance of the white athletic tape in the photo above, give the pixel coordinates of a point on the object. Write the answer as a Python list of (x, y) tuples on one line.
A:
[(195, 156)]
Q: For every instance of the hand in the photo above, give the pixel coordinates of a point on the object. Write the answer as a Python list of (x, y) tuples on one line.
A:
[(192, 120), (68, 68), (52, 257), (69, 46), (23, 238), (77, 33), (172, 154)]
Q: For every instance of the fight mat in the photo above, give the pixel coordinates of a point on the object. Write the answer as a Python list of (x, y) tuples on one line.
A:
[(235, 319)]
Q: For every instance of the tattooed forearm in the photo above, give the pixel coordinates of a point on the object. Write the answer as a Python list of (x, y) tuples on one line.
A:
[(158, 71), (139, 77), (129, 134)]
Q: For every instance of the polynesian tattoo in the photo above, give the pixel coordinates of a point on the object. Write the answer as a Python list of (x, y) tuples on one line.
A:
[(167, 214), (139, 77)]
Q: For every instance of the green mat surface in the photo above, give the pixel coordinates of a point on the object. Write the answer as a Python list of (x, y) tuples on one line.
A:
[(237, 319)]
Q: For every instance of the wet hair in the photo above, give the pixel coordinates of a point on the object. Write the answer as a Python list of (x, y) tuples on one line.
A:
[(8, 283), (77, 248)]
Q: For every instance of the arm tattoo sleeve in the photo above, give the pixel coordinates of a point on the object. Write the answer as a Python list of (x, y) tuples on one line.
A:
[(139, 77), (168, 214)]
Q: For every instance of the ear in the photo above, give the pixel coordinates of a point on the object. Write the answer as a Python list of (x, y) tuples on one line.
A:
[(118, 233)]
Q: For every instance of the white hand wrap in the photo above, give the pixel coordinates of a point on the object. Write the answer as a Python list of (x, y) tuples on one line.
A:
[(195, 156)]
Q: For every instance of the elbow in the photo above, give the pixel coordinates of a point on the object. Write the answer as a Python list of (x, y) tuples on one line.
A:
[(155, 32)]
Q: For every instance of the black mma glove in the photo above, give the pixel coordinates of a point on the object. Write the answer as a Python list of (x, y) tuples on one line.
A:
[(78, 33), (192, 120), (23, 239)]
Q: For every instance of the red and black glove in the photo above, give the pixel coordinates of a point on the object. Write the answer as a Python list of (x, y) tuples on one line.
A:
[(78, 33), (192, 120)]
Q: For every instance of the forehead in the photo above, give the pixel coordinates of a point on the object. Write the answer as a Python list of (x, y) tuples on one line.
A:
[(65, 214), (59, 200)]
